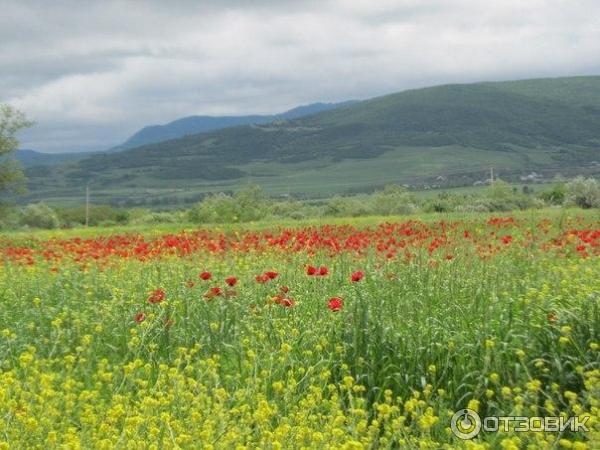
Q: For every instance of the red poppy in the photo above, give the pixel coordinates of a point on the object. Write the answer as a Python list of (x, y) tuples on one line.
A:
[(580, 248), (231, 281), (284, 289), (287, 302), (213, 292), (311, 270), (156, 296), (271, 275), (323, 271), (261, 278), (507, 239), (357, 276), (205, 276), (335, 304), (139, 317)]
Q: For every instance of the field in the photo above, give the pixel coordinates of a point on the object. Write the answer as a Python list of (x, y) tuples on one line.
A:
[(356, 334)]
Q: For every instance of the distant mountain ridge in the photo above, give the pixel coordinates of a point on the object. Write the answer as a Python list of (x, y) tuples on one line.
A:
[(202, 124), (451, 132)]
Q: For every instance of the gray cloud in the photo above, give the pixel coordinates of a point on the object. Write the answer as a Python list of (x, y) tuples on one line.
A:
[(92, 73)]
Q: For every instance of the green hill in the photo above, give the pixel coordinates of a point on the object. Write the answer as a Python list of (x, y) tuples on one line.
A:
[(445, 134)]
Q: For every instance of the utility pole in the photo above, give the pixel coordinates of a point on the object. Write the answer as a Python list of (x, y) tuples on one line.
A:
[(87, 205), (491, 175)]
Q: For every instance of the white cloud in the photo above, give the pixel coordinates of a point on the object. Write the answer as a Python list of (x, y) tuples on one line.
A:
[(91, 73)]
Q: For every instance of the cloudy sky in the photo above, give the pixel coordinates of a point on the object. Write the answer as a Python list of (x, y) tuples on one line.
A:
[(92, 73)]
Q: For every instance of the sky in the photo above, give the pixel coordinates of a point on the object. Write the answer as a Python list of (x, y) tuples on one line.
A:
[(91, 73)]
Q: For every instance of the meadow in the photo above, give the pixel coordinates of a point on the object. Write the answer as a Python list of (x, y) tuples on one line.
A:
[(355, 333)]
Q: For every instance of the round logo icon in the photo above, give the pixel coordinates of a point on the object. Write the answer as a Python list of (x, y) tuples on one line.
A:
[(465, 424)]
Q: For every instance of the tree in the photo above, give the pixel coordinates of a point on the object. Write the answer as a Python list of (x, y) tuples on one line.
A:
[(11, 174), (583, 192)]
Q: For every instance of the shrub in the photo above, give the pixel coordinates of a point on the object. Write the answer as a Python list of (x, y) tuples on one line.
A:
[(583, 192), (39, 215), (554, 196), (153, 218), (246, 205), (392, 199)]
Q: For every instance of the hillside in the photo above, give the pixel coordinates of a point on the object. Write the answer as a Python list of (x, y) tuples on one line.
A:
[(451, 133), (32, 158), (202, 124)]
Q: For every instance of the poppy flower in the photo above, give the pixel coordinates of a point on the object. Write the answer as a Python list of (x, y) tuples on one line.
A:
[(311, 270), (156, 296), (139, 317), (287, 302), (231, 281), (357, 276), (335, 304), (213, 292), (284, 289), (271, 275), (323, 271), (205, 276), (261, 278)]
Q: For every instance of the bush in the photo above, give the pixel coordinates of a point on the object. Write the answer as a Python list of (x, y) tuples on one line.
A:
[(39, 216), (347, 207), (155, 218), (583, 192), (246, 205), (555, 196), (99, 214), (392, 200)]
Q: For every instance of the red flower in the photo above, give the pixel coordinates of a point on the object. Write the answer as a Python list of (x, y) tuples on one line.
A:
[(287, 302), (284, 289), (507, 239), (156, 296), (311, 270), (323, 271), (449, 257), (205, 276), (357, 276), (261, 278), (139, 317), (213, 292), (335, 304), (231, 281), (580, 248), (271, 275)]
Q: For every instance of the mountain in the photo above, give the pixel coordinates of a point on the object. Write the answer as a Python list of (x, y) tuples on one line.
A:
[(202, 124), (30, 158), (452, 133)]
